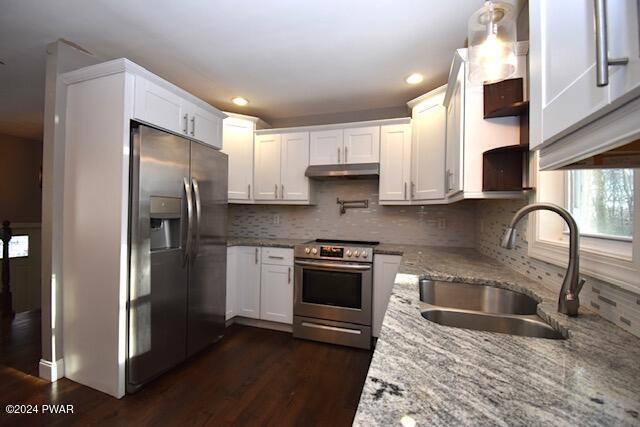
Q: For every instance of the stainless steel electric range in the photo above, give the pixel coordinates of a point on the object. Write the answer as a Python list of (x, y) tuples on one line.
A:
[(333, 292)]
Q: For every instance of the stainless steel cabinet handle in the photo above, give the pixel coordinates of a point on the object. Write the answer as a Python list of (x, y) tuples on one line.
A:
[(282, 191), (249, 191), (346, 155), (196, 192), (187, 246), (289, 276), (338, 154), (256, 255), (449, 179), (186, 123), (405, 191), (276, 257), (193, 125), (413, 189), (602, 49), (275, 191)]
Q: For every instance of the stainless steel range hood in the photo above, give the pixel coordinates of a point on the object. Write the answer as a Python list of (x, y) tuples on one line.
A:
[(355, 171)]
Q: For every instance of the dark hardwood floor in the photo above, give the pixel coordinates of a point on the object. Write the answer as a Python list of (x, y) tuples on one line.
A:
[(252, 377)]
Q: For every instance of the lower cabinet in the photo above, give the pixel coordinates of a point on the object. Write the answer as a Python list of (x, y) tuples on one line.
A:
[(385, 268), (276, 296), (260, 283)]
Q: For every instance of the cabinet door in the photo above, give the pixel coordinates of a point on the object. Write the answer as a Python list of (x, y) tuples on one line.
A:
[(232, 297), (247, 281), (238, 145), (326, 147), (295, 159), (205, 126), (385, 268), (563, 63), (276, 296), (455, 137), (623, 40), (362, 145), (267, 167), (159, 107), (395, 162), (428, 155)]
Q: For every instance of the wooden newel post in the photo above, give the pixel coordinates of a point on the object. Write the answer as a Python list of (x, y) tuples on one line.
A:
[(6, 305)]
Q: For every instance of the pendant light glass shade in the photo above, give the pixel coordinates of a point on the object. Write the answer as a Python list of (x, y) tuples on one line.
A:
[(492, 43)]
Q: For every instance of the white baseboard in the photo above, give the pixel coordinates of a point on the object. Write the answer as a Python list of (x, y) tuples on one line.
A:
[(266, 324), (51, 371)]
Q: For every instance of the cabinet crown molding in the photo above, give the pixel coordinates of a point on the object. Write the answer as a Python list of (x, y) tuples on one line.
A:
[(350, 125)]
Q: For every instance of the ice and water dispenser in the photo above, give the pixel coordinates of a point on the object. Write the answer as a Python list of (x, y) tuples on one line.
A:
[(165, 214)]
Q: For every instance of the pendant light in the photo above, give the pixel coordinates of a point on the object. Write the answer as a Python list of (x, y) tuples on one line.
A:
[(492, 43)]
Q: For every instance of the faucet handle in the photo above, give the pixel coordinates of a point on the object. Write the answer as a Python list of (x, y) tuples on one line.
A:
[(581, 283)]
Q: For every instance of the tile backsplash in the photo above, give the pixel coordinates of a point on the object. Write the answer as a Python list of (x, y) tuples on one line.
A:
[(614, 304), (445, 225)]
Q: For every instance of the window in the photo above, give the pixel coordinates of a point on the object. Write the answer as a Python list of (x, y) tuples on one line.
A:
[(601, 201), (18, 247)]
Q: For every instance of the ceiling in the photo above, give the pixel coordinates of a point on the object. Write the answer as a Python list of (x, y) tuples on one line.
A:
[(290, 58)]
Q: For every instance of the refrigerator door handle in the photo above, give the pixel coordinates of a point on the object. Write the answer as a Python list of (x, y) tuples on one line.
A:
[(196, 192), (187, 246)]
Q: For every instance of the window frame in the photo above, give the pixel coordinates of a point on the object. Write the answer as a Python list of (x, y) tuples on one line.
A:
[(617, 264)]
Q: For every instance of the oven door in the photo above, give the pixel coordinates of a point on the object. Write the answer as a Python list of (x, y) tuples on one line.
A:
[(339, 291)]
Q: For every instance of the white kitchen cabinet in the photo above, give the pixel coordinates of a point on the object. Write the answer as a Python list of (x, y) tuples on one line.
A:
[(395, 162), (204, 126), (326, 147), (385, 269), (428, 149), (267, 167), (160, 106), (232, 290), (276, 295), (362, 145), (238, 145), (294, 185), (455, 134), (247, 281)]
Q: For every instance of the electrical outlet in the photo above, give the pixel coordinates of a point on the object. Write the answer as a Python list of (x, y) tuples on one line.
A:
[(276, 219), (442, 223)]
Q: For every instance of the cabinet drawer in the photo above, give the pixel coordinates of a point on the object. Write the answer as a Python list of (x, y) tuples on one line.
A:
[(277, 256)]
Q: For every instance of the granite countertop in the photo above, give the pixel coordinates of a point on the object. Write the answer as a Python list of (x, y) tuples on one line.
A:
[(439, 375), (265, 242)]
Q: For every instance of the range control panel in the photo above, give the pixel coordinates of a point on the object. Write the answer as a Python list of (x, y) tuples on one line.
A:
[(334, 252)]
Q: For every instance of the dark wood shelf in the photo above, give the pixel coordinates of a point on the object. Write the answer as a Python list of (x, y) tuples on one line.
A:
[(503, 168), (505, 99)]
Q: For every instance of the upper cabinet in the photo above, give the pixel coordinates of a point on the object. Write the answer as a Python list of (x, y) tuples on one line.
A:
[(575, 97), (326, 147), (280, 164), (160, 104), (455, 106), (345, 146), (429, 118), (395, 162), (362, 145), (238, 145)]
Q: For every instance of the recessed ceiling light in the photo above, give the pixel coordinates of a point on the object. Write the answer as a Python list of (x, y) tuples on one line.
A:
[(238, 100), (414, 79)]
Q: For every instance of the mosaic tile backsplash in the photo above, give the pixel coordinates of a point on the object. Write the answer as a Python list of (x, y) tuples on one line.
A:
[(446, 225), (614, 304)]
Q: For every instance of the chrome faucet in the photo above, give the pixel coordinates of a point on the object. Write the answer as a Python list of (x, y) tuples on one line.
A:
[(568, 301)]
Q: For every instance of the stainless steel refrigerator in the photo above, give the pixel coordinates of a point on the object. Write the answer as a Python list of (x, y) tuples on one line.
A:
[(178, 251)]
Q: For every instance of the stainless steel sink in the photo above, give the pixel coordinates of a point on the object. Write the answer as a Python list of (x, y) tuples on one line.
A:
[(483, 308), (523, 325), (487, 299)]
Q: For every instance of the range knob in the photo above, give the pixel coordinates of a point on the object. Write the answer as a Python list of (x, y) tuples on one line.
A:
[(307, 250), (364, 254), (314, 251), (349, 253), (356, 253)]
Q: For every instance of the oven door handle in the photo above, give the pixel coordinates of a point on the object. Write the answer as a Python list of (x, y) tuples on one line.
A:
[(333, 265)]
